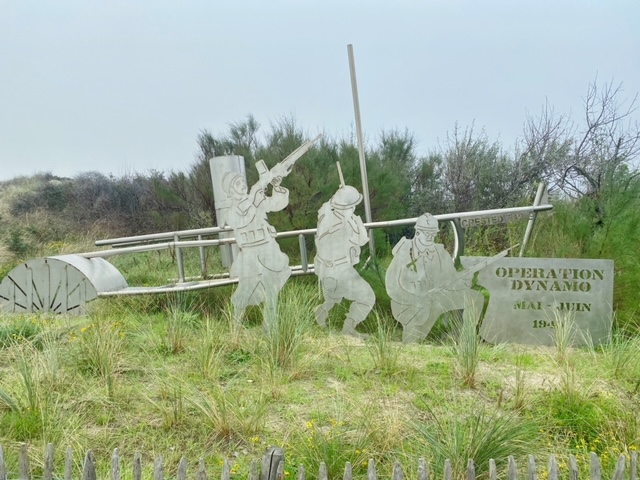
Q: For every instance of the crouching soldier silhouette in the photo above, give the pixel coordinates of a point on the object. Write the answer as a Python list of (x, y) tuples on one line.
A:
[(423, 283), (338, 240)]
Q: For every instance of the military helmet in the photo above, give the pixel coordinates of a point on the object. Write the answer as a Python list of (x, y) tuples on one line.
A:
[(346, 197), (427, 223), (228, 179)]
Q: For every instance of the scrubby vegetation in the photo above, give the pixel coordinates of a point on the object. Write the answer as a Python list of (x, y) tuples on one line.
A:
[(174, 375)]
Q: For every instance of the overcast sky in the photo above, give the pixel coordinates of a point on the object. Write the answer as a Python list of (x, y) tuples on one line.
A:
[(126, 85)]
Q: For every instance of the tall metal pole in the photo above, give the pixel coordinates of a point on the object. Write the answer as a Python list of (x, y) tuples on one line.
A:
[(532, 217), (363, 165)]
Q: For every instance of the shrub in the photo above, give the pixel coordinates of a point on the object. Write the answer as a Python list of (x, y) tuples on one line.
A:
[(482, 435)]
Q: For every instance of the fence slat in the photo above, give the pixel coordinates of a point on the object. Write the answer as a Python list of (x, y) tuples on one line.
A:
[(3, 467), (275, 458), (23, 462), (619, 472), (448, 470), (552, 469), (532, 473), (398, 474), (68, 464), (280, 470), (573, 468), (322, 474), (423, 469), (137, 466), (596, 467), (47, 468), (512, 469), (471, 470), (493, 471), (371, 470), (202, 470), (182, 469), (226, 470), (348, 472), (89, 468), (158, 468), (271, 460), (115, 464)]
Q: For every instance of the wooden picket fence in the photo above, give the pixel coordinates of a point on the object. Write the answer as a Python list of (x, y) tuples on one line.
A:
[(272, 468)]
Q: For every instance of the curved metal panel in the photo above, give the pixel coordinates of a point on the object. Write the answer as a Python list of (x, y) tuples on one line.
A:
[(62, 284)]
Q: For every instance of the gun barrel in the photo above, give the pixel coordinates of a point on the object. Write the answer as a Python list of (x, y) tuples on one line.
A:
[(301, 150), (282, 168)]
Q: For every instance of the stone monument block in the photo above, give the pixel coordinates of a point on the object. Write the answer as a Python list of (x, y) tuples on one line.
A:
[(528, 296)]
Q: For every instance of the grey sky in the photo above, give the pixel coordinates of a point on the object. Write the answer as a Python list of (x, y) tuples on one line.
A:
[(126, 85)]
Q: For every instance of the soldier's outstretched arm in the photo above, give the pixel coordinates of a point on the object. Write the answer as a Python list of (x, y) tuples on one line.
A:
[(278, 200)]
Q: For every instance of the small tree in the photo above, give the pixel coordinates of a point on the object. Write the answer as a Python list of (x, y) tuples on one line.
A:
[(477, 174), (606, 147)]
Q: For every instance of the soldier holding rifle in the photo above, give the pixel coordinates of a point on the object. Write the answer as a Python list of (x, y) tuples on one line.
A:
[(423, 282), (261, 267)]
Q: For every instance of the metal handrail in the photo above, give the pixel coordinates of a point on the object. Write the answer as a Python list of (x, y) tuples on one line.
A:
[(291, 233), (134, 242), (162, 236)]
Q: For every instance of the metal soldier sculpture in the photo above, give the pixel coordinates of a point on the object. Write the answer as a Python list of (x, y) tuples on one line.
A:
[(423, 283), (261, 267), (339, 238)]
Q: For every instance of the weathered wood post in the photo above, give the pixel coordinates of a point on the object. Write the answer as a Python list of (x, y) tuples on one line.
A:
[(371, 470), (158, 468), (47, 473), (182, 469), (3, 469), (68, 464), (89, 468), (493, 470), (115, 465), (512, 469), (348, 472), (271, 461), (423, 469), (531, 469), (137, 466), (202, 470), (23, 462)]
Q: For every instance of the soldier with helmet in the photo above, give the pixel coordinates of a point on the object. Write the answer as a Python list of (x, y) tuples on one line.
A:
[(423, 283), (261, 267), (339, 238)]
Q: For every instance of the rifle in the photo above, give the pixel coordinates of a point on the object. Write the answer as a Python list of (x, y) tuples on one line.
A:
[(472, 270), (283, 168)]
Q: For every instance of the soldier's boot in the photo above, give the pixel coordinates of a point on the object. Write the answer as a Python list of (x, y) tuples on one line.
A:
[(411, 334), (270, 313), (349, 328), (358, 312), (238, 312), (322, 313)]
